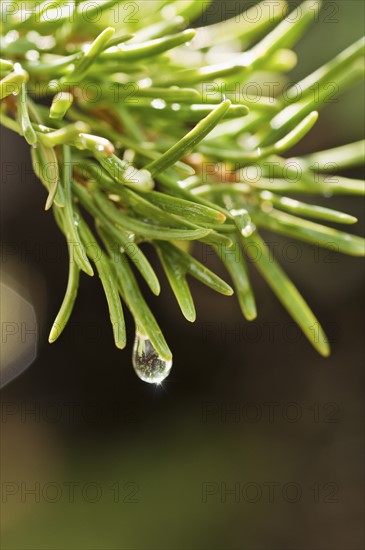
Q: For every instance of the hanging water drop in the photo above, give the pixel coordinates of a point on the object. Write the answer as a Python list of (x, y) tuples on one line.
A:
[(148, 364)]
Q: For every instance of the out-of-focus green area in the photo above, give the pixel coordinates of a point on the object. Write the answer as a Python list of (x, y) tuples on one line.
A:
[(253, 443), (342, 24)]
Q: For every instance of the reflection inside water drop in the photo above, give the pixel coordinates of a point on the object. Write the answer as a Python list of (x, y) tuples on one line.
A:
[(148, 364)]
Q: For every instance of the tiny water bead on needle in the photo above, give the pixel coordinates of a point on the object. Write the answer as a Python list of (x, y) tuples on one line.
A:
[(148, 364)]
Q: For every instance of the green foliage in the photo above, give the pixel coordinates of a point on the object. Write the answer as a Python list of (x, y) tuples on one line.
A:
[(149, 137)]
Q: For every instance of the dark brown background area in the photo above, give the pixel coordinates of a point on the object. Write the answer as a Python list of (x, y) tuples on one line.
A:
[(297, 418)]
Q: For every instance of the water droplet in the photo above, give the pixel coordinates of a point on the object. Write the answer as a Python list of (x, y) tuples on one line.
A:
[(148, 364), (145, 83), (248, 230), (158, 103), (243, 221), (11, 36), (32, 55)]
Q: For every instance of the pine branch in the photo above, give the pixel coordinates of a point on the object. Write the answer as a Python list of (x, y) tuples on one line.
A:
[(157, 155)]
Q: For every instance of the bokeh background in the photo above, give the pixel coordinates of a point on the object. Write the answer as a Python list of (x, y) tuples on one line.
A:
[(254, 442)]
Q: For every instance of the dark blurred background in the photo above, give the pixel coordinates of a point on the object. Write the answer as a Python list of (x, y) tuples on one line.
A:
[(254, 442)]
